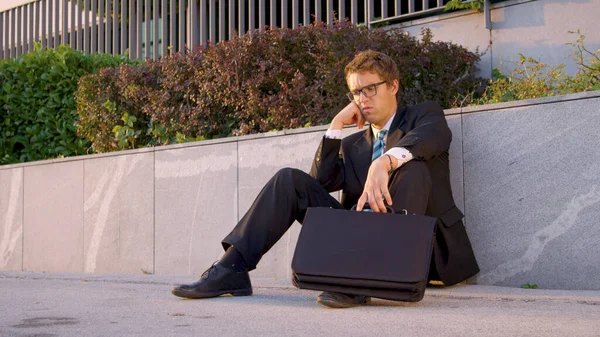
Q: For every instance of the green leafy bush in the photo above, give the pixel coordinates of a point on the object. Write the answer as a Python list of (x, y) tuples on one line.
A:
[(588, 76), (460, 4), (37, 103), (273, 79), (531, 78)]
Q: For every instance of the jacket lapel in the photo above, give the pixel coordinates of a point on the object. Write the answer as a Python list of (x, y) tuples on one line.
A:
[(395, 132), (363, 151)]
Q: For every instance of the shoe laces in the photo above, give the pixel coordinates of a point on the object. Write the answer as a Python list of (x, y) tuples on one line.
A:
[(212, 270)]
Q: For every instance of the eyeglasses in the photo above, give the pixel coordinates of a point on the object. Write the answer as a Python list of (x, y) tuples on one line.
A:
[(368, 91)]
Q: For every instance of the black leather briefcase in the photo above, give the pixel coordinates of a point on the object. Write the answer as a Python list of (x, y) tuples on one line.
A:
[(381, 255)]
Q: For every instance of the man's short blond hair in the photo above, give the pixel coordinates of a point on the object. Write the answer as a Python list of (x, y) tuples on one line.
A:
[(373, 62)]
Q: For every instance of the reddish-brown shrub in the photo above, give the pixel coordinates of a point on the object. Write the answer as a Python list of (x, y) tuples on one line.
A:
[(272, 79)]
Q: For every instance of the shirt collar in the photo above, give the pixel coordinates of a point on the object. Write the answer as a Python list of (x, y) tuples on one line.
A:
[(385, 127)]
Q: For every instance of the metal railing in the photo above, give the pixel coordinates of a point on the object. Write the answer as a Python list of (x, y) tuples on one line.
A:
[(151, 28)]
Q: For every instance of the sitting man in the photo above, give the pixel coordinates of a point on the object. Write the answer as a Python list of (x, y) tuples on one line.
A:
[(401, 159)]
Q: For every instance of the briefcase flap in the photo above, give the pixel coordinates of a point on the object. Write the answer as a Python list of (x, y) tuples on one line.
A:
[(364, 245)]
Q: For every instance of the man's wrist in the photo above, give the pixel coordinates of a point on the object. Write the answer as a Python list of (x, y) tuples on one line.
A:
[(383, 163), (399, 155), (391, 164), (336, 125)]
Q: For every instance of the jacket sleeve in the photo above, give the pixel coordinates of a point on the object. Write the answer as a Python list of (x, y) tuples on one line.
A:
[(328, 165), (429, 135)]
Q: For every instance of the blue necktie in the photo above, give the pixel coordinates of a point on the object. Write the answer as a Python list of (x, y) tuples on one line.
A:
[(379, 146)]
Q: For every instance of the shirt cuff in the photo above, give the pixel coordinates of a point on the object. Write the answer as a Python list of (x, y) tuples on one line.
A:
[(333, 134), (400, 153)]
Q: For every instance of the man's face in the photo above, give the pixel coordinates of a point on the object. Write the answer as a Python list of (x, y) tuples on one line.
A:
[(378, 108)]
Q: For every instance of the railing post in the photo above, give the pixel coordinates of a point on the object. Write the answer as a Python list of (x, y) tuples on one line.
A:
[(165, 27), (318, 9), (173, 29), (306, 15), (2, 49), (368, 6), (182, 25), (25, 46), (147, 48), (109, 22), (242, 17), (155, 16), (212, 16), (19, 41), (44, 20), (86, 26), (51, 14), (231, 13), (94, 22), (13, 45), (203, 23), (341, 10), (261, 14), (80, 25), (102, 28), (273, 13), (295, 16), (7, 35), (133, 45), (55, 36), (116, 44), (411, 6), (34, 26), (66, 36), (221, 20), (284, 13), (139, 19), (124, 26), (251, 14)]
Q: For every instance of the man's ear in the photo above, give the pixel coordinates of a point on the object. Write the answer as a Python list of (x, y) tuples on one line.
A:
[(395, 86)]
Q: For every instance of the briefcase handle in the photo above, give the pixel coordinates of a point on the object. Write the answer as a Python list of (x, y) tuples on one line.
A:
[(389, 209)]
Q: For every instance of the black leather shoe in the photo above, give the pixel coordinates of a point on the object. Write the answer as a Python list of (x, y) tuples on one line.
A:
[(217, 280), (339, 300)]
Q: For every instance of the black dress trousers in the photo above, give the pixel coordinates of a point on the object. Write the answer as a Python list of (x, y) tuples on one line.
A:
[(288, 194)]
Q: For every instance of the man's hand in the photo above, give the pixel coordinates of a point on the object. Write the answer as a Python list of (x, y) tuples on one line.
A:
[(349, 115), (376, 187)]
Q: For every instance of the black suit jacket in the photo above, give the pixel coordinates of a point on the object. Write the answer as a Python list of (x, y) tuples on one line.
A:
[(422, 129)]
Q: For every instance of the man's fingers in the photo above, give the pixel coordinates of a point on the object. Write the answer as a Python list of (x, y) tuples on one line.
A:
[(388, 197), (379, 204), (375, 201), (361, 202), (360, 120)]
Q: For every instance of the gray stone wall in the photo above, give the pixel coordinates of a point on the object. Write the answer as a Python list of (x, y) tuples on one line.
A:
[(532, 191), (526, 174)]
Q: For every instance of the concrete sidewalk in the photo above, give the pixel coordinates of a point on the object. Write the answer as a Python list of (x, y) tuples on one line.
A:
[(38, 304)]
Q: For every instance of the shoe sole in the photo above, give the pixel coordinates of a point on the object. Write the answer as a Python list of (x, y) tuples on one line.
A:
[(187, 294), (340, 305)]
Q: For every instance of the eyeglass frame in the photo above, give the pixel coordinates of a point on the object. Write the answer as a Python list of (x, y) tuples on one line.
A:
[(352, 98)]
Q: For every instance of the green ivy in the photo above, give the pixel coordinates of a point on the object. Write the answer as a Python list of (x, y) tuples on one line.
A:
[(37, 103), (529, 286), (459, 4)]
